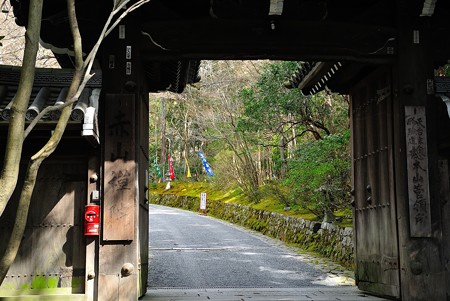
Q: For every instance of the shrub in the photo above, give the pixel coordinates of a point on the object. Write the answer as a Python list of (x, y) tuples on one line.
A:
[(319, 176)]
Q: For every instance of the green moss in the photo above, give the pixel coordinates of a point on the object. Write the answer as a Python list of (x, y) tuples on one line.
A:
[(52, 282), (8, 285), (40, 282), (193, 189), (258, 225), (311, 247)]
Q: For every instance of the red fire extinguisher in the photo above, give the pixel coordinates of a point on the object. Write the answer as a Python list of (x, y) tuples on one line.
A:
[(92, 220)]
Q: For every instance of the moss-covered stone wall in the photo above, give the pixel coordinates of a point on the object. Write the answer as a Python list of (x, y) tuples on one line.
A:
[(325, 238)]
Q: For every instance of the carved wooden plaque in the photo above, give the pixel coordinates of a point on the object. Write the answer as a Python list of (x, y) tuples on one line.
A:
[(119, 173), (417, 162)]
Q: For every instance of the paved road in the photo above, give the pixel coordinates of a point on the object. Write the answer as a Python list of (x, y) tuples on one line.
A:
[(197, 257)]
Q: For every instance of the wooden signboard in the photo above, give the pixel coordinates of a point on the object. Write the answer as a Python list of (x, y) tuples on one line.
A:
[(417, 162), (202, 205), (119, 196), (203, 201)]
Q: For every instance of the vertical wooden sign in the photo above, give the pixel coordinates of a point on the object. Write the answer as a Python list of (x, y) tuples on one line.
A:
[(119, 173), (417, 162), (203, 201), (202, 206)]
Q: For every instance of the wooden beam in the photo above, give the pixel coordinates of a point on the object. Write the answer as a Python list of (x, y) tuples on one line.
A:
[(217, 38), (311, 77)]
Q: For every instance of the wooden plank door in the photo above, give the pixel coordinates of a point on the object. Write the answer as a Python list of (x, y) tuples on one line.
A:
[(51, 258), (376, 241)]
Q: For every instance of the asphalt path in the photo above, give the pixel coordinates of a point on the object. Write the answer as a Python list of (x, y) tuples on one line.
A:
[(188, 250), (199, 258)]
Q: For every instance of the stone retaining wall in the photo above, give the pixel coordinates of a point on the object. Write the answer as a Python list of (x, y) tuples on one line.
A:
[(331, 241)]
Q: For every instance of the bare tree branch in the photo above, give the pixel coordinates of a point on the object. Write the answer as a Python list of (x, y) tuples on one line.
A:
[(8, 179), (14, 144), (88, 63)]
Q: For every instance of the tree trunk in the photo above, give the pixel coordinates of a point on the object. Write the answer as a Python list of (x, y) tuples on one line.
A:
[(186, 142), (14, 144), (16, 128), (33, 167), (282, 158), (293, 144), (260, 165)]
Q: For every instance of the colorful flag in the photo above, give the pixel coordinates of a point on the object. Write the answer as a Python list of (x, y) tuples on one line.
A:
[(171, 171), (157, 170), (205, 164)]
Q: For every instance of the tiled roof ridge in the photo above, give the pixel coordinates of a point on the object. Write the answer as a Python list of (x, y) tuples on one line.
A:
[(10, 75)]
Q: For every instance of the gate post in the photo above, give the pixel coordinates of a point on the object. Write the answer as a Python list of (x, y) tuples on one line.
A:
[(123, 247), (422, 273)]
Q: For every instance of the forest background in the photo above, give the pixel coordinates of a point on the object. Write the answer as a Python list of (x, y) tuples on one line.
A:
[(270, 147)]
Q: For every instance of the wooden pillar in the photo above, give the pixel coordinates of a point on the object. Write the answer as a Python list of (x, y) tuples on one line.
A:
[(444, 178), (123, 244), (422, 272), (92, 241)]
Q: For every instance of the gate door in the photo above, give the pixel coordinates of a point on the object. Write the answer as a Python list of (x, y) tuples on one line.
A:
[(375, 227), (51, 258)]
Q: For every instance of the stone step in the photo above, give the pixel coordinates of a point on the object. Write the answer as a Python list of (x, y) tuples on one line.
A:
[(343, 293)]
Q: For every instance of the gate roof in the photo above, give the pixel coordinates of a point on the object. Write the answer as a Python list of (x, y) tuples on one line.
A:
[(50, 87), (173, 35)]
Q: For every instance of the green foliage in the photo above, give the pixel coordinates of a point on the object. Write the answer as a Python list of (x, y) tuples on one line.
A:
[(320, 174), (268, 101), (271, 108), (254, 131), (278, 192), (225, 174)]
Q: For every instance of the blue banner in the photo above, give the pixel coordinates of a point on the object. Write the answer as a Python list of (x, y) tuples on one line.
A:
[(205, 164)]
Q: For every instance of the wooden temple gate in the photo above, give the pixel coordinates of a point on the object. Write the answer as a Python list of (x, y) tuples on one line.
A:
[(373, 182), (382, 54), (395, 257)]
